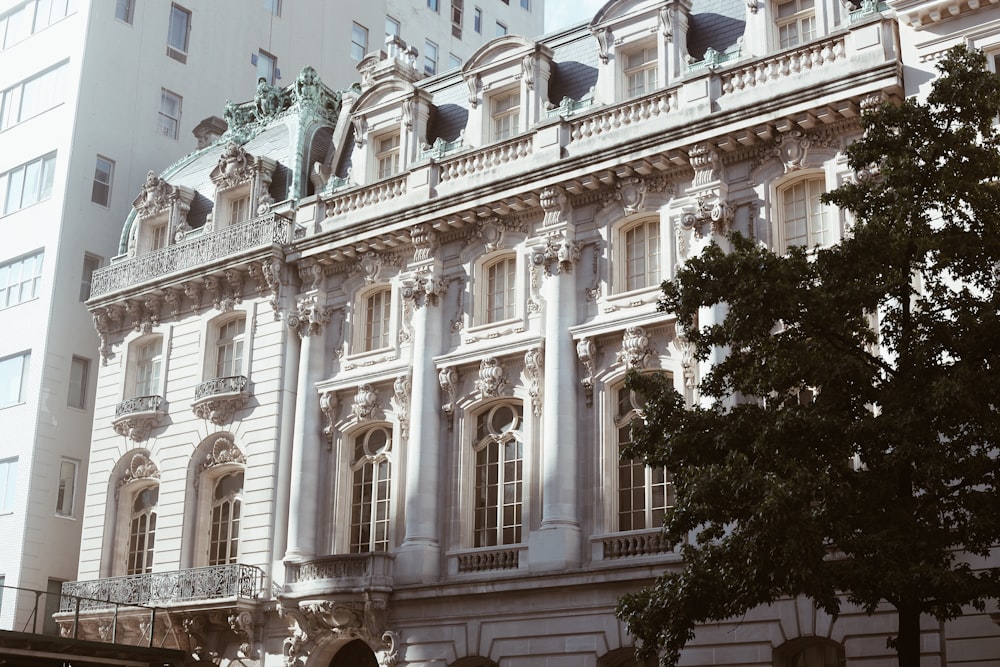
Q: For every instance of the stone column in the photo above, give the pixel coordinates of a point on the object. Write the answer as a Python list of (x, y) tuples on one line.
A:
[(557, 543), (419, 557), (308, 320)]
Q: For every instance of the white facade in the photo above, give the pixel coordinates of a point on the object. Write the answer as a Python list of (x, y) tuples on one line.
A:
[(95, 94), (370, 386)]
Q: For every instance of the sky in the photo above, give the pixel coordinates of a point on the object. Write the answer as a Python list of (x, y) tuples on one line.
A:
[(562, 13)]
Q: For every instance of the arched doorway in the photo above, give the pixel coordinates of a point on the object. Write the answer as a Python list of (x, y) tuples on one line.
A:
[(355, 653)]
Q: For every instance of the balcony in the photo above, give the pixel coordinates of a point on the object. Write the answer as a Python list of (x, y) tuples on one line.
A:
[(218, 583), (137, 416), (219, 399), (196, 251), (339, 574), (490, 559)]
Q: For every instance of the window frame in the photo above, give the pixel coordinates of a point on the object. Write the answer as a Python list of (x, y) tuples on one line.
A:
[(434, 5), (173, 122), (238, 342), (33, 281), (828, 230), (371, 484), (490, 312), (78, 393), (652, 513), (648, 67), (125, 11), (137, 364), (229, 545), (105, 184), (8, 484), (493, 504), (359, 49), (64, 498), (178, 50), (273, 6), (268, 73), (394, 154), (651, 277), (139, 559), (511, 113), (432, 53), (91, 263), (43, 184), (796, 18), (477, 20), (15, 392), (389, 20), (50, 86), (501, 29), (366, 340)]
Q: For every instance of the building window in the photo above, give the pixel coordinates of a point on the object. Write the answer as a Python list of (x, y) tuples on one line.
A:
[(378, 312), (178, 32), (49, 12), (359, 42), (267, 66), (33, 96), (124, 10), (239, 209), (434, 5), (229, 348), (79, 379), (644, 493), (501, 29), (457, 8), (640, 71), (811, 652), (805, 219), (387, 155), (796, 22), (142, 531), (148, 362), (19, 280), (499, 475), (501, 279), (170, 113), (526, 5), (8, 483), (391, 26), (273, 6), (90, 264), (100, 192), (505, 115), (157, 237), (28, 183), (225, 532), (642, 254), (430, 57), (477, 20), (372, 475), (454, 62), (67, 487), (14, 378), (17, 24)]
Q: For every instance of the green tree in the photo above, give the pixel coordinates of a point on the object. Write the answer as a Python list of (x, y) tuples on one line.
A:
[(846, 448)]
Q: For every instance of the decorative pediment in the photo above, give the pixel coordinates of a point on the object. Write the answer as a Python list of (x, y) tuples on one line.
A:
[(224, 451), (139, 468), (157, 196)]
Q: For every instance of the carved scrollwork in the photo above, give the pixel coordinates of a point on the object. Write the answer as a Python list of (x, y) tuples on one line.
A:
[(586, 351), (402, 388), (491, 380), (533, 375), (635, 348), (448, 380), (309, 317), (224, 450), (557, 255), (328, 405), (365, 403)]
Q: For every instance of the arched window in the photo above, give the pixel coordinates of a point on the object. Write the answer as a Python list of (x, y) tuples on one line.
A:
[(644, 493), (499, 475), (376, 326), (227, 499), (142, 531), (641, 243), (805, 220), (229, 348), (372, 475), (810, 652), (500, 294)]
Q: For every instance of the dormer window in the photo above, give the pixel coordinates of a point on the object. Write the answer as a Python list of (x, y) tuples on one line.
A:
[(239, 209), (796, 22), (505, 115), (640, 71), (387, 155), (158, 237)]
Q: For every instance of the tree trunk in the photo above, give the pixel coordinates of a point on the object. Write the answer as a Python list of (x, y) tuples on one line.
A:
[(908, 639)]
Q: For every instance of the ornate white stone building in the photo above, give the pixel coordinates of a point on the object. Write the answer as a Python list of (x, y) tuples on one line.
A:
[(361, 396)]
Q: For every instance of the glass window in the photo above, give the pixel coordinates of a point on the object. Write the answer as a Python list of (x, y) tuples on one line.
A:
[(273, 6), (477, 20), (642, 255), (499, 474), (640, 71), (454, 62), (79, 378), (142, 531), (378, 311), (434, 5), (796, 21), (430, 57), (644, 493), (805, 219), (526, 4), (124, 10), (50, 11), (387, 156), (501, 29), (13, 378), (391, 26), (29, 183), (457, 9), (370, 491), (19, 279), (104, 171), (17, 24), (239, 210), (267, 66), (505, 114), (158, 237), (147, 368), (500, 285), (8, 484), (67, 488), (32, 96), (178, 32), (90, 264), (229, 349), (359, 42), (225, 532), (170, 113)]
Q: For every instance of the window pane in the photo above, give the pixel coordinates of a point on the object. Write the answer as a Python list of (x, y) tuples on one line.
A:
[(123, 10), (79, 372), (101, 190), (67, 488), (8, 483), (13, 378), (177, 34)]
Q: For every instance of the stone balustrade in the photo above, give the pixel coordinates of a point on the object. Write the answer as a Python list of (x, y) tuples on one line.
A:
[(809, 58), (625, 545), (609, 119), (340, 573), (486, 158), (488, 560)]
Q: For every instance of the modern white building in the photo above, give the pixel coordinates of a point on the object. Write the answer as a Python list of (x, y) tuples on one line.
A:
[(95, 95)]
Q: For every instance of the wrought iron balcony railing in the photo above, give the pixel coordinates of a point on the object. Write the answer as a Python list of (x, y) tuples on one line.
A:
[(235, 384), (139, 405), (219, 399), (218, 582), (137, 416), (261, 232)]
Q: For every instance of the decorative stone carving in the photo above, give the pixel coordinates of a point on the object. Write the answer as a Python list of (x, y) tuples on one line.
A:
[(106, 320), (474, 83), (310, 273), (267, 275), (604, 39), (533, 375), (155, 196), (192, 290), (792, 148), (491, 380), (424, 240), (328, 405), (448, 380), (528, 72), (632, 194), (586, 351), (233, 168), (557, 255), (139, 468), (365, 403), (241, 624), (635, 348), (173, 298), (370, 264), (224, 451), (711, 208), (424, 288), (707, 164), (309, 316), (666, 23), (136, 417), (689, 363), (402, 389), (555, 204), (218, 399), (314, 619), (135, 314), (360, 130)]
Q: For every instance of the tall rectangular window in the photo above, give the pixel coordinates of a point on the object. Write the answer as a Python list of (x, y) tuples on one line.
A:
[(430, 57), (477, 20), (239, 210), (16, 25), (273, 6), (378, 311), (14, 379), (90, 264), (505, 115), (454, 62), (178, 32), (170, 113), (796, 22), (391, 26), (229, 349), (501, 29), (645, 494), (33, 96), (387, 155), (79, 379), (147, 368), (526, 5), (457, 8), (124, 10), (19, 279), (640, 71), (500, 289), (8, 483), (804, 216), (499, 476), (67, 487), (267, 66), (642, 255), (28, 183), (359, 42), (434, 5), (100, 192)]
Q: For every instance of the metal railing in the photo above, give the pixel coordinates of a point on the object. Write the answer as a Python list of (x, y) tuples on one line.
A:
[(138, 405), (228, 385)]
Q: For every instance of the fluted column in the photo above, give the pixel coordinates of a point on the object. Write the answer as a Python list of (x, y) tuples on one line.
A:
[(557, 543), (308, 320), (419, 557)]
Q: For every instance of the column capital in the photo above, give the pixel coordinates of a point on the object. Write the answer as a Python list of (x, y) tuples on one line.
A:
[(309, 316), (424, 288), (556, 255)]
